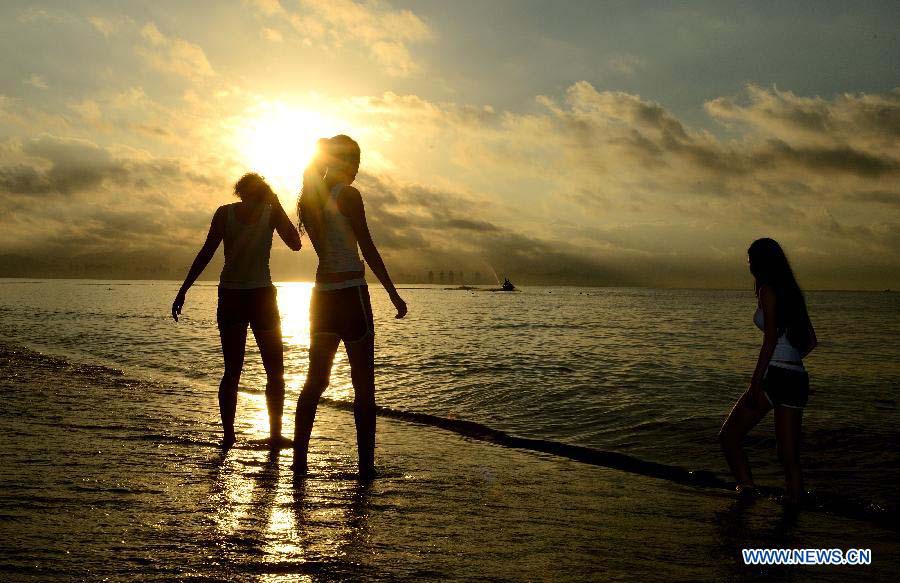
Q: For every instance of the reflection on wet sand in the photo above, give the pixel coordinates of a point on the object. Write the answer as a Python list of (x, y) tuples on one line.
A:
[(748, 523), (290, 525), (330, 518)]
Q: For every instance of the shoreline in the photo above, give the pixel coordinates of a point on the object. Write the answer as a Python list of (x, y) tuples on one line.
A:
[(698, 478), (102, 480)]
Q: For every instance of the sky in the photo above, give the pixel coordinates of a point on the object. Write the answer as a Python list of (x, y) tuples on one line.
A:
[(586, 143)]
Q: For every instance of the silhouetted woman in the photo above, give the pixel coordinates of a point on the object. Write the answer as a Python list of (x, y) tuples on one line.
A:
[(780, 380), (332, 213), (246, 294)]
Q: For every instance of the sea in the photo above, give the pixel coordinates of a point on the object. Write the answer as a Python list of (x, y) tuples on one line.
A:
[(634, 380)]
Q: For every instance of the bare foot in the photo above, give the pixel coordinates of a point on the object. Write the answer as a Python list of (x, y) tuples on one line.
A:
[(280, 442), (368, 473), (228, 441), (745, 490)]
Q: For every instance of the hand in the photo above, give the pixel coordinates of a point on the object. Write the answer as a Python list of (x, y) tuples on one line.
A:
[(177, 305), (400, 305)]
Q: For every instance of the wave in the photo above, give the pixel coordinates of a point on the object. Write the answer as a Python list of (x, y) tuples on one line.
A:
[(843, 506)]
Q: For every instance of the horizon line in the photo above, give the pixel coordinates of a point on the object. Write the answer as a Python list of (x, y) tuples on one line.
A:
[(210, 282)]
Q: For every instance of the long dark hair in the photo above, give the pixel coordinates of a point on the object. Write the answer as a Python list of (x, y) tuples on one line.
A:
[(770, 266), (312, 195)]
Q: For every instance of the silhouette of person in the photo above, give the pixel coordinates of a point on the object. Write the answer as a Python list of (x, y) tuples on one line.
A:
[(246, 294), (332, 214), (780, 380)]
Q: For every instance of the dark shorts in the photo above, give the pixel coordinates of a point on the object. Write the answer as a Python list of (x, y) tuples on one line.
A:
[(257, 307), (346, 313), (786, 387)]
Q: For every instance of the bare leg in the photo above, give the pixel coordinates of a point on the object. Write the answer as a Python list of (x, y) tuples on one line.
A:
[(362, 372), (234, 339), (322, 348), (788, 422), (271, 349), (747, 412)]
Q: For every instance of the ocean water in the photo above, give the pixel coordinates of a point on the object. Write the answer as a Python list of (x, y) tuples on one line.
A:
[(649, 374)]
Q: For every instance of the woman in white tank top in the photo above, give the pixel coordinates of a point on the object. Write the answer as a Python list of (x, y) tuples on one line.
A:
[(246, 294), (779, 381), (332, 213)]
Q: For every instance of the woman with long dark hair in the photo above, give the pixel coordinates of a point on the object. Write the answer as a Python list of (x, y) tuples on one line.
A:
[(332, 214), (246, 294), (779, 380)]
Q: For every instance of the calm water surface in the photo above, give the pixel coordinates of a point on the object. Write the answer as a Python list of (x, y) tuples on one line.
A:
[(650, 373)]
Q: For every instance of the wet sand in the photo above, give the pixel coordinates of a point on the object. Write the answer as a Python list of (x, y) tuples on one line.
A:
[(103, 476)]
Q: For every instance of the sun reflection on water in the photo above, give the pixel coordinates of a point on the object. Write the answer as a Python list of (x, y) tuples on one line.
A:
[(293, 303), (253, 416), (288, 524)]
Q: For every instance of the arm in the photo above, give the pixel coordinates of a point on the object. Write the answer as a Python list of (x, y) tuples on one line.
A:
[(282, 223), (770, 338), (351, 205), (213, 238)]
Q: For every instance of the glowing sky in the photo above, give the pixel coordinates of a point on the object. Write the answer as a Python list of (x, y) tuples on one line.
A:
[(560, 142)]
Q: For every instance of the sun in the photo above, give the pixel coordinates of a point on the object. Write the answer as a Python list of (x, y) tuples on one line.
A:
[(279, 140)]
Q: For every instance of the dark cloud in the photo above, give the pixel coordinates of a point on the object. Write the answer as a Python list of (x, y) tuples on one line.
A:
[(842, 159), (890, 198), (67, 166), (424, 228), (24, 179), (64, 166)]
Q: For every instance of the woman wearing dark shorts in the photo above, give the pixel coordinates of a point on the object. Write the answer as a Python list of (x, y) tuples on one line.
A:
[(780, 380), (332, 213), (246, 294)]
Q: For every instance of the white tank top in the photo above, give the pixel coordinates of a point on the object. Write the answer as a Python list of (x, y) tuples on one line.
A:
[(785, 355), (338, 249), (247, 249)]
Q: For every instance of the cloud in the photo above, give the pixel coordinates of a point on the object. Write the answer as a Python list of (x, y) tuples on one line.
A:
[(174, 55), (37, 82), (73, 207), (375, 26), (104, 25), (648, 197), (890, 198), (36, 14), (270, 34), (267, 7), (421, 227), (863, 121), (588, 186), (72, 165), (88, 109), (625, 63), (67, 166)]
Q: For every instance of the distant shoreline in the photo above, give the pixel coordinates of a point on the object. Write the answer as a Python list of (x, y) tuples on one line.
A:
[(442, 286)]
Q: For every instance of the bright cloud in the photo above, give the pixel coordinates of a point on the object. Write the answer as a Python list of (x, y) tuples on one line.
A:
[(174, 55), (374, 26)]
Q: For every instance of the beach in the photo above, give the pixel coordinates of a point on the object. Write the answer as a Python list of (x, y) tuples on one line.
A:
[(99, 482), (556, 434)]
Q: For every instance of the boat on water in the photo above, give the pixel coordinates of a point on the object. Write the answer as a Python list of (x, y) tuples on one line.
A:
[(506, 286)]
